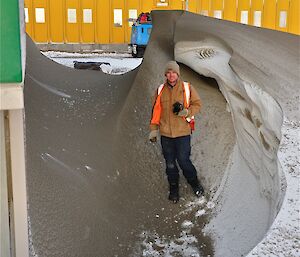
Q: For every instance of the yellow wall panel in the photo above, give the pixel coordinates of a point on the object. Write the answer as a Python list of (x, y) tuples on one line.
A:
[(257, 4), (29, 23), (282, 15), (177, 4), (93, 21), (205, 7), (103, 24), (41, 19), (88, 12), (193, 6), (243, 11), (216, 5), (294, 17), (56, 21), (256, 14), (72, 21), (132, 6), (243, 4), (198, 2), (118, 30), (269, 15), (229, 11), (147, 5)]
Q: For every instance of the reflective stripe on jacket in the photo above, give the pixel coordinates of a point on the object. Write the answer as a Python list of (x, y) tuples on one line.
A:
[(156, 111), (164, 119)]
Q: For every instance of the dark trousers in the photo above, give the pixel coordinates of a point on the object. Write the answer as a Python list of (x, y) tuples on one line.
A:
[(179, 149)]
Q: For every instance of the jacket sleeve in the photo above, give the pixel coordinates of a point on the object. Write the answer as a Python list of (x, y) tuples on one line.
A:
[(195, 103), (153, 126)]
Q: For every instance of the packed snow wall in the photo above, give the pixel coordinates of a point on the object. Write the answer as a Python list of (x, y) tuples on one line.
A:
[(257, 71), (96, 186)]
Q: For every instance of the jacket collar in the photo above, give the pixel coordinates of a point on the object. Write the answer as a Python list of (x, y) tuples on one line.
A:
[(170, 86)]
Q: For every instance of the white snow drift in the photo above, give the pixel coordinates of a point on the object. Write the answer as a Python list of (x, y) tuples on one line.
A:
[(250, 193)]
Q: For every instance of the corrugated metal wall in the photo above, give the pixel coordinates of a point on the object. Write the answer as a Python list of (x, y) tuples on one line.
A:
[(106, 21)]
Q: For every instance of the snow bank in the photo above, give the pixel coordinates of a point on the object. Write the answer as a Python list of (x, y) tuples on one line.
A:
[(250, 195), (283, 237), (118, 63)]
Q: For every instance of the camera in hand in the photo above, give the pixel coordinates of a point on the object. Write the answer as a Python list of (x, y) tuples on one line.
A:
[(177, 107)]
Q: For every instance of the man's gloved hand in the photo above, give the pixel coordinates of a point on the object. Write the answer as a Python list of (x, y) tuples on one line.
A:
[(183, 113), (177, 107), (153, 136)]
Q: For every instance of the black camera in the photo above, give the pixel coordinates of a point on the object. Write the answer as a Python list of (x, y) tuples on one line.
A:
[(177, 107)]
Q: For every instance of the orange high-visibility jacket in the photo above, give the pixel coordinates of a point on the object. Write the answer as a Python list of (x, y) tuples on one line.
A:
[(179, 129)]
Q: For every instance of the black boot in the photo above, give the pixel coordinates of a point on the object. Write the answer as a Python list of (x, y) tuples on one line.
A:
[(174, 192), (197, 187)]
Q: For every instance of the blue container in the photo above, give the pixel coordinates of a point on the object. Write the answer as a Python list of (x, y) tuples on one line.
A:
[(140, 34)]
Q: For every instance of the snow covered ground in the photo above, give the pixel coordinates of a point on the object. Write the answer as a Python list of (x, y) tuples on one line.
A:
[(283, 238), (118, 63)]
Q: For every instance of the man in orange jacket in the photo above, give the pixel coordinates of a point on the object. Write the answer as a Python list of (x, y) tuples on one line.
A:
[(175, 104)]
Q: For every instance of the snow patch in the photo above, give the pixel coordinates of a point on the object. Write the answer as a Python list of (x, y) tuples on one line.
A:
[(283, 238), (154, 245), (118, 63), (186, 244)]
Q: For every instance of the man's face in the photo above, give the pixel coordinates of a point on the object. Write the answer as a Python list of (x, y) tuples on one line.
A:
[(172, 76)]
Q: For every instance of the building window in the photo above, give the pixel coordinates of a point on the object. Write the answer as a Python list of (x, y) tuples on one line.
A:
[(40, 15), (118, 19), (162, 3), (132, 14), (204, 12), (218, 14), (244, 17), (87, 16), (72, 16), (257, 18), (26, 15), (282, 19)]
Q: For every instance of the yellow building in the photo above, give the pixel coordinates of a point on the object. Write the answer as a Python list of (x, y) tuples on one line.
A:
[(108, 21)]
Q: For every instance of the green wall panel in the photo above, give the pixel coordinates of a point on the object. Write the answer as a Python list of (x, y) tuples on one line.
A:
[(10, 48)]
